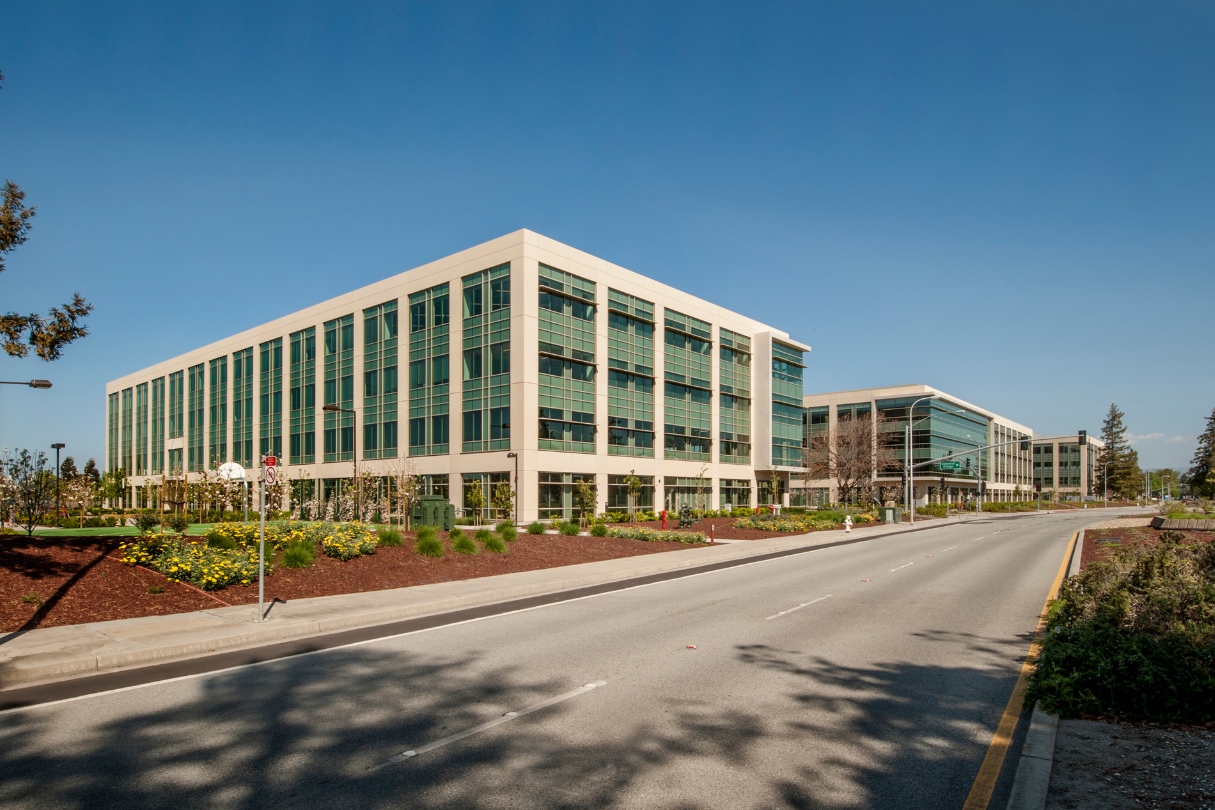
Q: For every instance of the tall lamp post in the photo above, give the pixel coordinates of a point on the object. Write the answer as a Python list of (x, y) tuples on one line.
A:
[(355, 432), (908, 494), (57, 446), (31, 383), (515, 456)]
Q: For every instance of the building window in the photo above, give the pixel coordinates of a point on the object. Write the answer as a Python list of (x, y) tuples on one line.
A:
[(195, 418), (429, 372), (380, 381), (112, 448), (339, 388), (242, 407), (735, 492), (567, 361), (687, 409), (486, 356), (270, 400), (486, 482), (630, 375), (557, 494), (734, 405), (787, 429), (141, 429), (217, 453), (618, 493), (158, 425), (302, 438)]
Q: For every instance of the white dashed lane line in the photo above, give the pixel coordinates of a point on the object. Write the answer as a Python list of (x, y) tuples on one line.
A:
[(901, 567), (799, 607)]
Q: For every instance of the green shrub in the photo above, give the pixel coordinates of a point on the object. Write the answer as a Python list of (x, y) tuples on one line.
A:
[(428, 544), (199, 564), (569, 528), (178, 523), (599, 530), (508, 532), (146, 522), (299, 554), (461, 544), (536, 527), (389, 537), (494, 543), (220, 542), (1134, 637), (111, 522), (652, 535), (349, 540), (482, 535), (466, 521)]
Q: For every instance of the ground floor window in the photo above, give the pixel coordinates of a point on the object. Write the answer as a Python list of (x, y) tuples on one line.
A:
[(486, 483), (735, 492), (618, 493), (437, 485), (557, 494), (695, 493), (765, 490)]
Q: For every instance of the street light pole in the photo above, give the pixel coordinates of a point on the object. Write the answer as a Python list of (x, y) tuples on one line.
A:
[(57, 446), (355, 430), (515, 456), (908, 492), (31, 383)]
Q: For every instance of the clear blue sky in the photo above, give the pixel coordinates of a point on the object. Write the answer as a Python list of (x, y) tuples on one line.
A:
[(1009, 201)]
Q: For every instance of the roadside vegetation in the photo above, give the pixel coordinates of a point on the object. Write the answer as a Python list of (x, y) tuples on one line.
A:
[(1134, 637)]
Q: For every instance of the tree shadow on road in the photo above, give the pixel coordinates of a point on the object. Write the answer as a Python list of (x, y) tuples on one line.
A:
[(310, 731)]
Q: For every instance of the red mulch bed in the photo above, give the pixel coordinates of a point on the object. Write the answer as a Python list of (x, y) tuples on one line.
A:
[(1097, 546), (726, 530), (77, 583)]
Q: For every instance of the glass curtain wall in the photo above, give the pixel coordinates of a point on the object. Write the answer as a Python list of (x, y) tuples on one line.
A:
[(430, 371), (141, 429), (735, 492), (787, 369), (303, 396), (195, 418), (567, 361), (486, 482), (158, 425), (112, 434), (177, 404), (218, 451), (128, 417), (619, 498), (242, 407), (557, 494), (687, 387), (270, 399), (947, 428), (339, 388), (486, 360), (734, 406), (630, 375), (696, 493), (380, 381)]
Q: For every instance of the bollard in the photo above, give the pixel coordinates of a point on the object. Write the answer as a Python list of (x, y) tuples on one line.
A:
[(712, 535), (664, 520)]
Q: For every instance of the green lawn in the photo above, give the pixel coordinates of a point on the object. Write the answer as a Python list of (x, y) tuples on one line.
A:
[(111, 531)]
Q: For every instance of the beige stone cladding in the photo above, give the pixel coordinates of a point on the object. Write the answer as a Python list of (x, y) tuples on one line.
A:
[(524, 251)]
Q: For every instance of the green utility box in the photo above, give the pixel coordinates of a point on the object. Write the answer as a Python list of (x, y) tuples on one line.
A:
[(890, 514), (434, 510)]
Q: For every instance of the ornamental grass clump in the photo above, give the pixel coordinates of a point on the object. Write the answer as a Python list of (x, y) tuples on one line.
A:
[(428, 544), (599, 530), (460, 542), (491, 541), (652, 535), (508, 531), (569, 528), (299, 554), (536, 527), (1134, 637), (388, 537)]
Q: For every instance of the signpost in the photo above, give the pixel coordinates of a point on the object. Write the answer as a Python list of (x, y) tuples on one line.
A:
[(950, 465), (269, 476)]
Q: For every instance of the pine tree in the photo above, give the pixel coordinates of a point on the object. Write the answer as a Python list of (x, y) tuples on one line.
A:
[(1204, 461), (1123, 469), (67, 469)]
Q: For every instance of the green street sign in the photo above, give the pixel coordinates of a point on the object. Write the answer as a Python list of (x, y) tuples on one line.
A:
[(950, 465)]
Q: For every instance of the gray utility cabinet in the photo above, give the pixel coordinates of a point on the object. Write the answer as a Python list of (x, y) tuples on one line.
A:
[(434, 510), (890, 514)]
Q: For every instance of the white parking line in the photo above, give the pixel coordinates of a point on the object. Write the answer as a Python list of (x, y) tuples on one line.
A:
[(506, 718), (901, 567), (799, 607)]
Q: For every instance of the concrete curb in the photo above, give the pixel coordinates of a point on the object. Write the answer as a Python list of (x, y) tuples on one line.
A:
[(1032, 782), (56, 653)]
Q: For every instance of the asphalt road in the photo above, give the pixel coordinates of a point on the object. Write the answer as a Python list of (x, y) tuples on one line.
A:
[(868, 675)]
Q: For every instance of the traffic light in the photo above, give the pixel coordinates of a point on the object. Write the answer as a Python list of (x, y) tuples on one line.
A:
[(1083, 438), (942, 482), (1024, 445), (982, 487), (1038, 486)]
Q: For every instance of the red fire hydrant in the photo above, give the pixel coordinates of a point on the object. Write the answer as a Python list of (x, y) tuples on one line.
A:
[(664, 519)]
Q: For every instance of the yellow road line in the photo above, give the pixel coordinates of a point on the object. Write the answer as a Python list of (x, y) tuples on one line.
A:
[(989, 771)]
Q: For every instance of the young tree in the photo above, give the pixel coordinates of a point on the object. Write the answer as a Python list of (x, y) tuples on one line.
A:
[(633, 483), (407, 487), (504, 498), (81, 490), (854, 453), (701, 484), (1123, 462), (1201, 481), (67, 470), (474, 497), (584, 497), (90, 469), (31, 486)]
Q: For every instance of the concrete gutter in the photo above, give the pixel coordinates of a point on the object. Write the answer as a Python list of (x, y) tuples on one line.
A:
[(55, 653), (1032, 782)]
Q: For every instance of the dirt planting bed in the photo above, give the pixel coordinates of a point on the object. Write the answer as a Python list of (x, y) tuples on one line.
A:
[(726, 530), (1100, 544), (76, 581)]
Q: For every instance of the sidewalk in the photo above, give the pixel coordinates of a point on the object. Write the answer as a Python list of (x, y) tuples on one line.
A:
[(55, 653)]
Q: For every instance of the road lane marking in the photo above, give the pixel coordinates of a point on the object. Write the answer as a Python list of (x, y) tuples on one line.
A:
[(506, 718), (799, 607), (989, 771), (901, 567), (951, 548)]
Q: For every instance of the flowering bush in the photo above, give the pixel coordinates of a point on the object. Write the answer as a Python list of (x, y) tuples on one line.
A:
[(345, 541), (652, 535), (196, 563)]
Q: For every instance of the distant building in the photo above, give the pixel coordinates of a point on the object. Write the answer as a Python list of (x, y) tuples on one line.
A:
[(942, 423), (1064, 468)]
